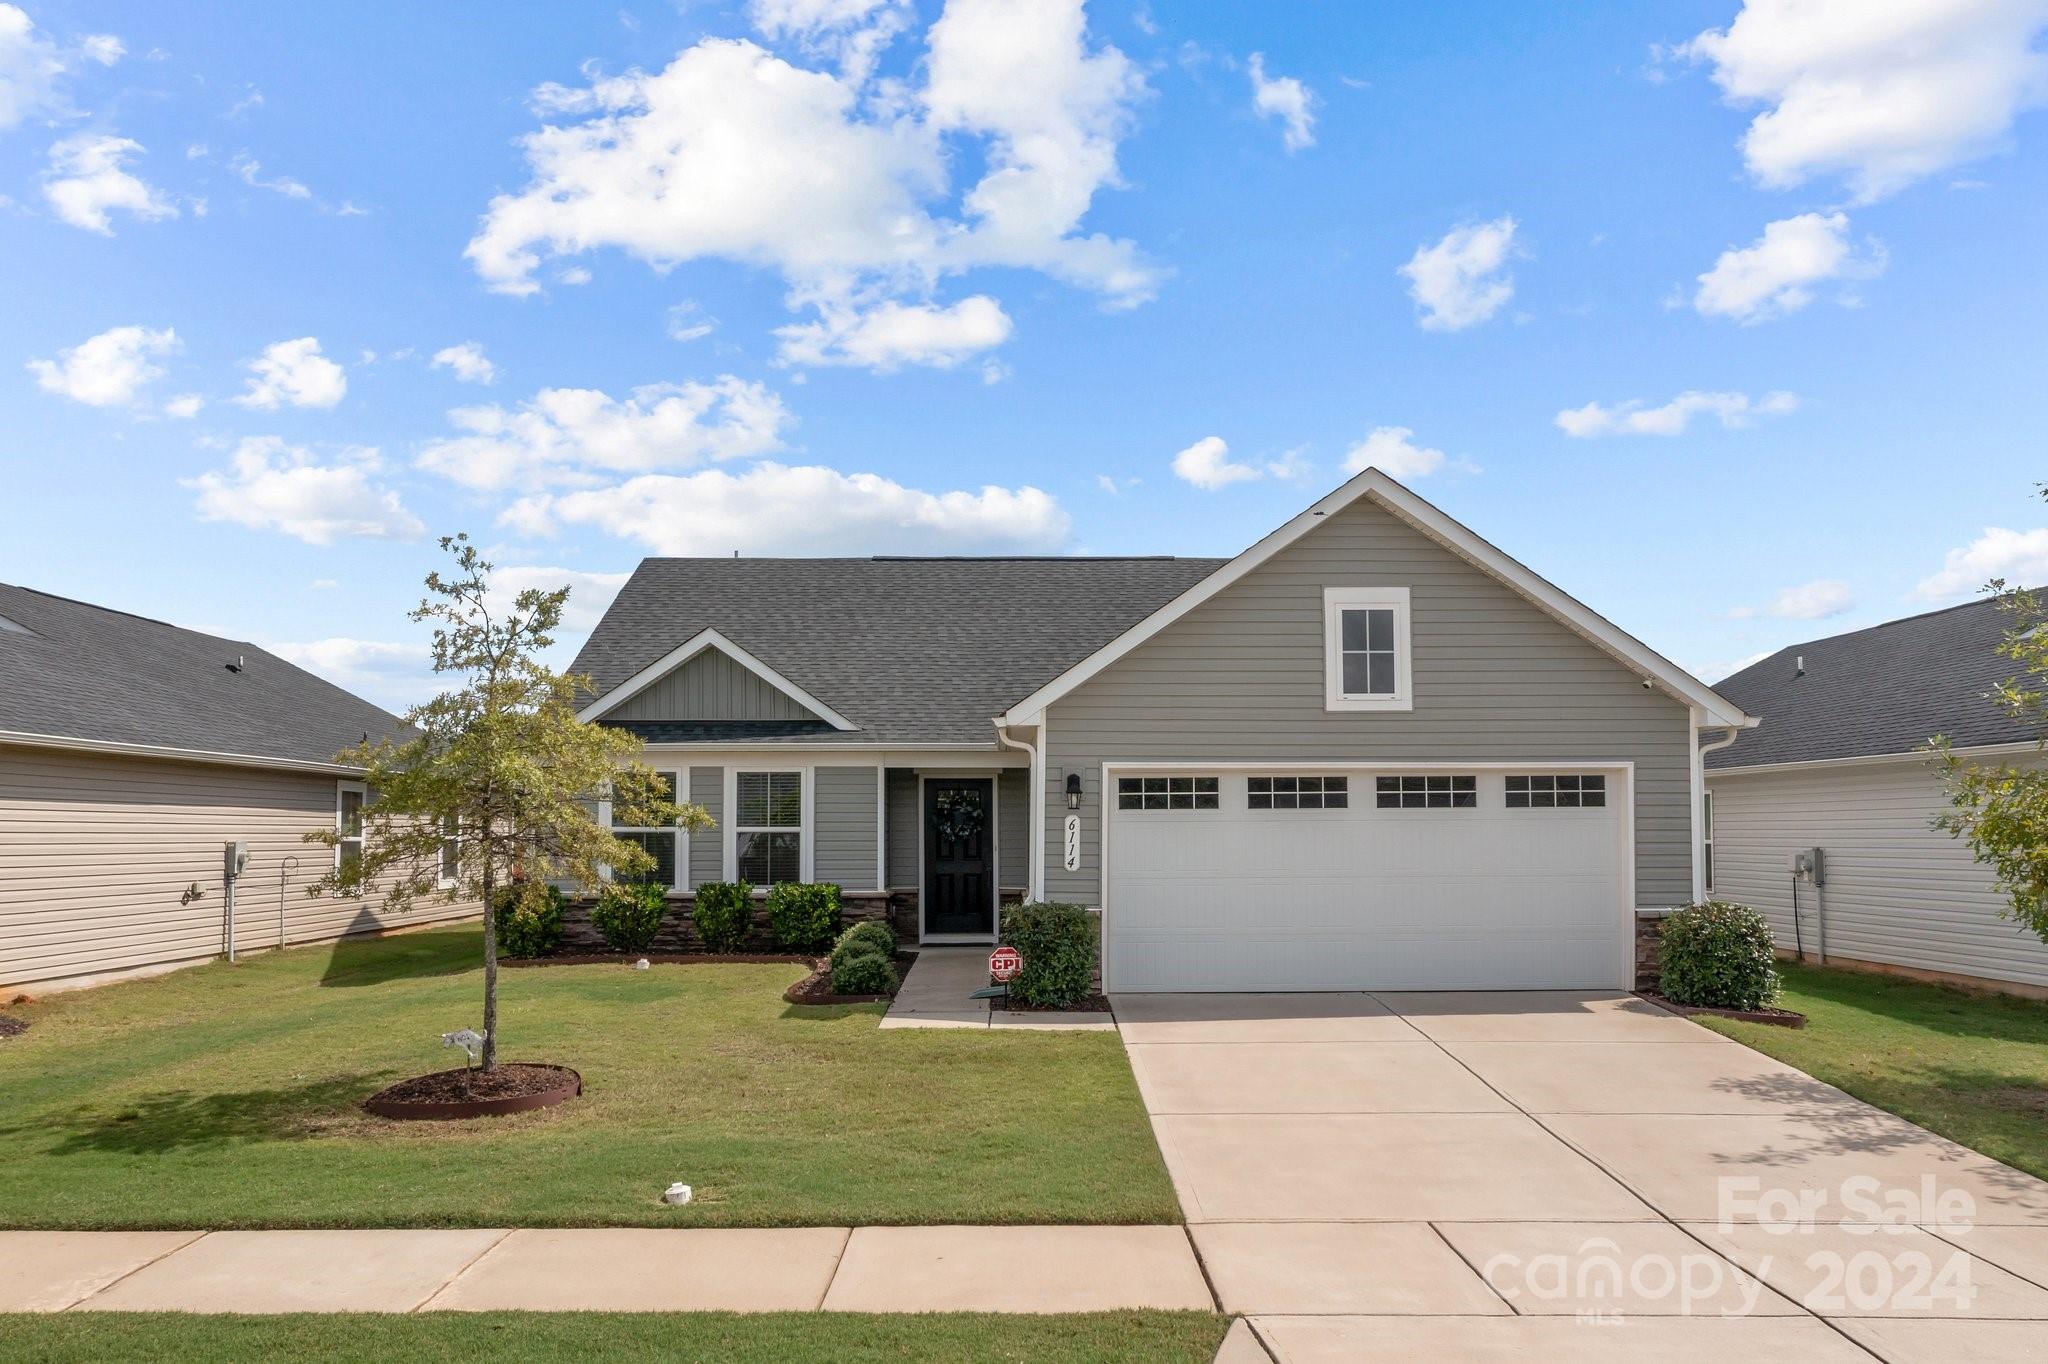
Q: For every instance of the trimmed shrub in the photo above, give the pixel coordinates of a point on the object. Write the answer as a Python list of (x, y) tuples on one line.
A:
[(867, 931), (863, 971), (1057, 942), (1718, 955), (629, 915), (528, 917), (724, 914), (803, 914)]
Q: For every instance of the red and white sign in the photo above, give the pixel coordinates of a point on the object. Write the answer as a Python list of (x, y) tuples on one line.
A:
[(1005, 962)]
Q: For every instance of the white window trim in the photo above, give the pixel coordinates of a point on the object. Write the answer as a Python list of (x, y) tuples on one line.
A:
[(681, 778), (1336, 601), (806, 836), (362, 840), (1707, 840), (442, 880)]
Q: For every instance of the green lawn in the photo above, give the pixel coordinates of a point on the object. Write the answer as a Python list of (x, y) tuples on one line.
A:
[(1973, 1067), (227, 1096), (1099, 1338)]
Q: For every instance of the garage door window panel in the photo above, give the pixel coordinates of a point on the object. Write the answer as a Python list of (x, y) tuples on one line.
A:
[(1167, 793), (1297, 793), (1563, 791), (1427, 793), (1366, 648)]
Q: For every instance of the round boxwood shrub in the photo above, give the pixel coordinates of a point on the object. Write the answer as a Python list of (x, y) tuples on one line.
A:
[(724, 914), (803, 914), (868, 931), (1718, 955), (629, 915), (863, 971), (1058, 944), (528, 917)]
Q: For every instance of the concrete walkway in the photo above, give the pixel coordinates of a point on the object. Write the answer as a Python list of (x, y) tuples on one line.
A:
[(868, 1269), (1543, 1176), (936, 994)]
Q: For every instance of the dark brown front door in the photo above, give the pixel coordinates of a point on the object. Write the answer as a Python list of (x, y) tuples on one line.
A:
[(959, 861)]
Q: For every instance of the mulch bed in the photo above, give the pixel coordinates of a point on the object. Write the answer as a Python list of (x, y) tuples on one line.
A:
[(11, 1026), (509, 1087), (660, 959), (816, 988), (1087, 1004), (1777, 1018)]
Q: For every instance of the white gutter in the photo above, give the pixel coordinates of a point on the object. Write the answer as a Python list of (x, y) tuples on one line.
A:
[(1036, 889), (1698, 777), (190, 755)]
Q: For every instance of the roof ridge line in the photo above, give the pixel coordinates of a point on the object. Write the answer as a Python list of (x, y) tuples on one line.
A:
[(132, 615), (1972, 604)]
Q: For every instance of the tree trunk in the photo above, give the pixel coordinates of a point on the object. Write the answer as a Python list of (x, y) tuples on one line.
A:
[(490, 1057)]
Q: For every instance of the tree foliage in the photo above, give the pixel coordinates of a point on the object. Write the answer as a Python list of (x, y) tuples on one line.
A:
[(500, 762), (2001, 809)]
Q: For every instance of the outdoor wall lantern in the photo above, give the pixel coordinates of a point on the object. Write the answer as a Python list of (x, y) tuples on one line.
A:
[(1073, 790)]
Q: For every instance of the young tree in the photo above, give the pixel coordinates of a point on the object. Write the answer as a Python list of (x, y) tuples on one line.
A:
[(501, 764), (2001, 809)]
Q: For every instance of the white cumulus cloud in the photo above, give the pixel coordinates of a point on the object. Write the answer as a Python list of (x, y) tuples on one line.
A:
[(30, 67), (108, 370), (851, 33), (1462, 280), (295, 373), (1637, 418), (1778, 272), (468, 362), (778, 509), (687, 321), (88, 180), (183, 405), (1207, 465), (269, 485), (391, 674), (1817, 600), (1393, 451), (1286, 99), (1880, 92), (841, 185), (570, 435), (2019, 557), (890, 335), (589, 593)]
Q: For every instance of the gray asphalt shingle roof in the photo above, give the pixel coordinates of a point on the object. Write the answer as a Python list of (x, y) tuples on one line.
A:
[(1887, 689), (78, 671), (908, 650)]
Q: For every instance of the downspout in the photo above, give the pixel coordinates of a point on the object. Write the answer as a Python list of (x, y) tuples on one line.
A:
[(1730, 733), (1035, 890)]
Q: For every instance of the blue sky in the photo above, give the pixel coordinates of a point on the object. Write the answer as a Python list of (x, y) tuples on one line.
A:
[(1725, 317)]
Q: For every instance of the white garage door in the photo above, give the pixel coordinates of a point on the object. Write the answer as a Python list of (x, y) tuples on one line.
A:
[(1367, 879)]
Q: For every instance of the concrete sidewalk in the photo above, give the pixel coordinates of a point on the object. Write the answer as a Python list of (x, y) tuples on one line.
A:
[(804, 1269), (935, 994)]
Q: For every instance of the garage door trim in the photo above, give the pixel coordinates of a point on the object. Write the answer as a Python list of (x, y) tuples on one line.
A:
[(1625, 909)]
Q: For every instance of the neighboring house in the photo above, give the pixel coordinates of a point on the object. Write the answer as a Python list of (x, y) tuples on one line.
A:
[(131, 752), (1840, 764), (1370, 751)]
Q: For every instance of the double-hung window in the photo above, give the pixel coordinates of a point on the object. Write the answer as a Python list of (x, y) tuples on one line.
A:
[(1707, 835), (768, 826), (451, 852), (659, 840), (1365, 649), (350, 798)]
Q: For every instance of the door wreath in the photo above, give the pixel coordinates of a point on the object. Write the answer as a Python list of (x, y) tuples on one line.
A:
[(957, 815)]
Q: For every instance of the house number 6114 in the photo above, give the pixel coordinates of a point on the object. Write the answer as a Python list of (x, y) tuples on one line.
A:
[(1073, 859)]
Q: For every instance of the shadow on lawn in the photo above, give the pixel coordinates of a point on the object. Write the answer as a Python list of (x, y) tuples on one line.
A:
[(181, 1120), (373, 960)]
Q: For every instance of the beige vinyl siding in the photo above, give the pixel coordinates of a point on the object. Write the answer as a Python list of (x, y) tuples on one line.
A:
[(905, 820), (707, 848), (96, 854), (710, 686), (1495, 678), (1013, 828), (843, 843), (1898, 890)]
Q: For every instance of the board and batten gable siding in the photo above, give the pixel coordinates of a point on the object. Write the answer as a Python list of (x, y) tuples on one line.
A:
[(1899, 891), (97, 852), (1495, 678), (710, 686), (843, 845), (707, 851)]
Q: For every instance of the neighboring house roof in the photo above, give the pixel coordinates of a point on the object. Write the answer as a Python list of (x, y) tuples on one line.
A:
[(90, 677), (1884, 690), (907, 650)]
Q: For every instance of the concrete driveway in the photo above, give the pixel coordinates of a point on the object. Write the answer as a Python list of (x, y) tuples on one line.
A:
[(1550, 1175)]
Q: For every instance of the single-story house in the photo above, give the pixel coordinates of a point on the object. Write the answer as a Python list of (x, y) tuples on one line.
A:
[(1371, 751), (1841, 765), (131, 754)]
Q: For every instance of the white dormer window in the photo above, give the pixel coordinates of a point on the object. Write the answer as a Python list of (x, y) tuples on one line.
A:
[(1365, 649)]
